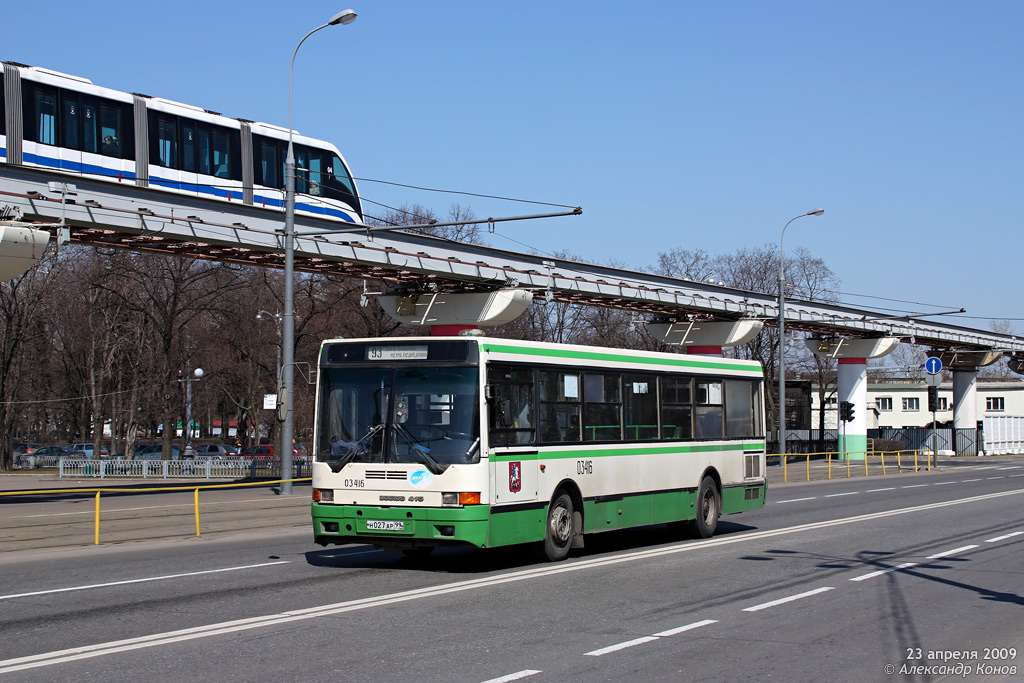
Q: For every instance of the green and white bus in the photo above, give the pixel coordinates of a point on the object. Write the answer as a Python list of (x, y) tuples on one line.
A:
[(477, 441)]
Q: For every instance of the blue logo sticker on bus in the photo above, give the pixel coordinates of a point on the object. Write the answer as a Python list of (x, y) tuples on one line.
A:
[(421, 479)]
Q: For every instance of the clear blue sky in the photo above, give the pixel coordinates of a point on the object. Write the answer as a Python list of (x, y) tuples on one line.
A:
[(673, 124)]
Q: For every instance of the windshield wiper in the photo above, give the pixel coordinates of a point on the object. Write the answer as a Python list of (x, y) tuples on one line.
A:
[(422, 452), (354, 449)]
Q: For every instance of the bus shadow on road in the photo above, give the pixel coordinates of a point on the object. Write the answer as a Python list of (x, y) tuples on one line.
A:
[(458, 560)]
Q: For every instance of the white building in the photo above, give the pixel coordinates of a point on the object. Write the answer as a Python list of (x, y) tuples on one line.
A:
[(904, 403)]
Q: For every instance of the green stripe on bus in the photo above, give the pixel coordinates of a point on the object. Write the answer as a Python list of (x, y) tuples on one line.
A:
[(604, 357), (592, 452)]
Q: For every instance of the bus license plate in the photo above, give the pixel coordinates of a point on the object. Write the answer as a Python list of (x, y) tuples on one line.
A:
[(375, 525)]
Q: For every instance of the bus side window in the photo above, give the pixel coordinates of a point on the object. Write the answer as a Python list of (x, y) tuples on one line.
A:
[(511, 409)]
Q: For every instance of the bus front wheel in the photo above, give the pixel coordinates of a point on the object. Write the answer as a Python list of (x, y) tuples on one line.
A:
[(559, 532), (709, 507)]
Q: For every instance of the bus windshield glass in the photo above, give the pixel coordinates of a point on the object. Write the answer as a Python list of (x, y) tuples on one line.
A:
[(424, 415)]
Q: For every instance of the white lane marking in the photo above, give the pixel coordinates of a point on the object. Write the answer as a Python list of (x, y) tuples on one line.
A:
[(513, 677), (1003, 538), (954, 551), (795, 500), (864, 577), (151, 578), (620, 646), (985, 467), (157, 639), (891, 488), (913, 486), (1002, 476), (1016, 475), (836, 495), (967, 481), (783, 601), (1014, 467), (943, 483), (683, 629)]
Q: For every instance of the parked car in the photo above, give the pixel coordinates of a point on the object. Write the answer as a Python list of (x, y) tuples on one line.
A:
[(155, 451), (88, 450), (213, 451), (267, 451), (31, 457)]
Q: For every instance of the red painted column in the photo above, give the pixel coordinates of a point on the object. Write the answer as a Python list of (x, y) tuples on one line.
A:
[(449, 330)]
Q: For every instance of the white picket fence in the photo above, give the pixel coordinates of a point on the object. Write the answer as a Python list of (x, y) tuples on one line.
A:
[(234, 468)]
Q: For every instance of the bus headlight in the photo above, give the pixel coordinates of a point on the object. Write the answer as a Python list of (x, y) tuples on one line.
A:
[(323, 495), (449, 499)]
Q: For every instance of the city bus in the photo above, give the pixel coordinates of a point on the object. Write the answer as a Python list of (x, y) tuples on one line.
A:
[(476, 441)]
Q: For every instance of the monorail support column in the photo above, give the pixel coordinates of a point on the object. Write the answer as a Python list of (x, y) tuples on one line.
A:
[(705, 337), (21, 245), (852, 384), (450, 313), (964, 367)]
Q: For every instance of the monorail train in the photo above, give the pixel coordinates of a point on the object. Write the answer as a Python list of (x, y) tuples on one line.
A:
[(65, 123)]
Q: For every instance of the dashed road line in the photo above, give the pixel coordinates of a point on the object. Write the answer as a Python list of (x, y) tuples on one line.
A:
[(914, 486), (890, 488), (683, 629), (796, 500), (954, 551), (513, 677), (1004, 537), (620, 646), (968, 481), (864, 577), (791, 598), (837, 495)]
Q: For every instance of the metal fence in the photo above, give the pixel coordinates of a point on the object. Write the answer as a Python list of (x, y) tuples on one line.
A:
[(257, 468), (960, 441)]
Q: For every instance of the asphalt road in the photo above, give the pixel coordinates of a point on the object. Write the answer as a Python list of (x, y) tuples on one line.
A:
[(830, 581)]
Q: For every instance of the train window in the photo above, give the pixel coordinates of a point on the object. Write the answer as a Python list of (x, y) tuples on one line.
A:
[(301, 171), (188, 146), (204, 152), (221, 167), (314, 174), (90, 128), (72, 112), (340, 174), (268, 164), (3, 109), (110, 129), (46, 118), (167, 142)]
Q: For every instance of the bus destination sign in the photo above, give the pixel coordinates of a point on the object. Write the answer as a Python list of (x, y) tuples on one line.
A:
[(396, 353)]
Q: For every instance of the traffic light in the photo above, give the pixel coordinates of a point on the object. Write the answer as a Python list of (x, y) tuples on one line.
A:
[(845, 411), (933, 399)]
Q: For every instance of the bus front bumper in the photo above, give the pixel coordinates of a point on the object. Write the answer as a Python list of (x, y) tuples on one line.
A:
[(400, 527)]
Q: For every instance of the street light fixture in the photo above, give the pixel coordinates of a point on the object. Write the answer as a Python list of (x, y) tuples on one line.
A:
[(288, 326), (782, 335), (198, 374)]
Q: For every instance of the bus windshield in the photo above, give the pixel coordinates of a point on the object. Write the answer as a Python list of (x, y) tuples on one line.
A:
[(424, 415)]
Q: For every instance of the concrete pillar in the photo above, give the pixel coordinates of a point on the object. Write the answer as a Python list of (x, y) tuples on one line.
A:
[(21, 245), (965, 399), (852, 386)]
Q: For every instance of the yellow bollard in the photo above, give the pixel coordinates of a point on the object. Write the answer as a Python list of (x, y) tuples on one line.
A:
[(915, 460), (847, 464), (197, 511), (785, 475), (865, 463), (883, 463), (97, 540), (829, 456)]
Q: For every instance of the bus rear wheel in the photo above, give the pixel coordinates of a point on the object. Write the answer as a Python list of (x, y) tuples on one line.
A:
[(558, 534), (709, 508)]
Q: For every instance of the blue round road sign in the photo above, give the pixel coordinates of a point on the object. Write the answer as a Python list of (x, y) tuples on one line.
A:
[(933, 365)]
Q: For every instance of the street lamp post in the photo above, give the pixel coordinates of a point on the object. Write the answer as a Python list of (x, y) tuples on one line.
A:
[(288, 326), (198, 374), (782, 335), (276, 317)]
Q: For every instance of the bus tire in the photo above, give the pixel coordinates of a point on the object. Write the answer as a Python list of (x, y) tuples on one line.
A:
[(709, 508), (558, 534)]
